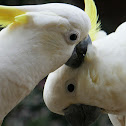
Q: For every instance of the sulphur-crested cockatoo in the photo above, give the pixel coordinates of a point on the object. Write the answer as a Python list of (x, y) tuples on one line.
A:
[(99, 81), (91, 112), (37, 40)]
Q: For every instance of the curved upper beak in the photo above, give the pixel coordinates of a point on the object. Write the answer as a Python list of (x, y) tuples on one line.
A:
[(81, 115), (79, 53)]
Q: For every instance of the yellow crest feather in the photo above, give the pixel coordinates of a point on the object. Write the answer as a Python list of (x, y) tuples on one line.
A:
[(10, 15), (91, 11)]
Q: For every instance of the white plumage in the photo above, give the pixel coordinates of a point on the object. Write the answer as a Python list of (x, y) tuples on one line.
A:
[(99, 81), (30, 51)]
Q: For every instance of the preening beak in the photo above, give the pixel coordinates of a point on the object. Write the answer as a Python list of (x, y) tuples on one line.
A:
[(79, 53), (81, 115)]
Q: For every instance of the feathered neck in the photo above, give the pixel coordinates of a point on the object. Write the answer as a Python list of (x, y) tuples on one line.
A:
[(22, 57)]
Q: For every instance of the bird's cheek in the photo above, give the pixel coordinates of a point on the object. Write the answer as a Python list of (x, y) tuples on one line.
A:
[(57, 104), (65, 102), (91, 53), (83, 90)]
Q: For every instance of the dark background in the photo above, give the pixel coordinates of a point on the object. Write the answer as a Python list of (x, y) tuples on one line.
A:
[(32, 110)]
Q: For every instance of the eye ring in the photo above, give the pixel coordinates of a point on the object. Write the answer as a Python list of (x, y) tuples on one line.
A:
[(72, 37), (70, 87)]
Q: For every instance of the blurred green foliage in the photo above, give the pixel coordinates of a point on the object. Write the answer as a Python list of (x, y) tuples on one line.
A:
[(32, 110)]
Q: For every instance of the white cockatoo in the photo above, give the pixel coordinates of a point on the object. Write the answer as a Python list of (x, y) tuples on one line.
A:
[(98, 82), (36, 41)]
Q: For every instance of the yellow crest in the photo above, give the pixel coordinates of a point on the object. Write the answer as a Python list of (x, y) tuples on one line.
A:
[(91, 11), (10, 15)]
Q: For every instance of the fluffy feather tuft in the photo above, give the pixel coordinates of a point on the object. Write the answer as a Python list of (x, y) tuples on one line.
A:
[(10, 15), (91, 10)]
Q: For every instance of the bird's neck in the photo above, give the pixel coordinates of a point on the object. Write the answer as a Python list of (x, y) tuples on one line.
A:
[(24, 61), (23, 58)]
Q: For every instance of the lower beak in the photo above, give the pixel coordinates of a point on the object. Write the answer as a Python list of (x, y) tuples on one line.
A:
[(79, 53), (81, 115)]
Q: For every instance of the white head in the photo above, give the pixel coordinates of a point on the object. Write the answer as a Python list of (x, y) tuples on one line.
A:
[(65, 93), (52, 31)]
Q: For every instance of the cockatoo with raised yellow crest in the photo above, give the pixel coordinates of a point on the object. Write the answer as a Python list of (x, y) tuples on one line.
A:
[(97, 84), (36, 41)]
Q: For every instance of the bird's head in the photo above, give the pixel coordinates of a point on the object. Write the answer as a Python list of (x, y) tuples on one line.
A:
[(53, 29), (65, 93)]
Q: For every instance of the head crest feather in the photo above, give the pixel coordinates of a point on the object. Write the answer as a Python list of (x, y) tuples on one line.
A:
[(10, 15), (91, 10)]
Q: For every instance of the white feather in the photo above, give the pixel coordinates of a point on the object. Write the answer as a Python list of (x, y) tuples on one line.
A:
[(31, 51), (100, 81)]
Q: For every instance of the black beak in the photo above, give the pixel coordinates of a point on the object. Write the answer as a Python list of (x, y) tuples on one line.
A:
[(79, 53), (81, 115)]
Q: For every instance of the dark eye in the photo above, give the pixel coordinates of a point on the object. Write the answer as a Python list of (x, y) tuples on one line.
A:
[(73, 37), (70, 87)]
